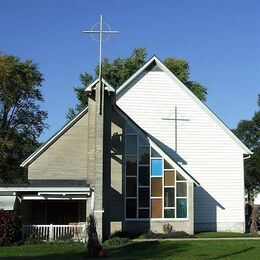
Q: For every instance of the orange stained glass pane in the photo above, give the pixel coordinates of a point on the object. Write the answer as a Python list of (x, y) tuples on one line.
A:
[(169, 178), (156, 208), (156, 186)]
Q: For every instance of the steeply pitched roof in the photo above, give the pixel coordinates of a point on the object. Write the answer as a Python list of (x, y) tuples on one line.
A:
[(92, 86), (154, 59), (55, 137)]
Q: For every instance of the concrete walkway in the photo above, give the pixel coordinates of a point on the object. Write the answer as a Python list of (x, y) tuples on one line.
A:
[(197, 239)]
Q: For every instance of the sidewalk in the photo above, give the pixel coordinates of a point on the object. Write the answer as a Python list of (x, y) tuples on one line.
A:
[(197, 239)]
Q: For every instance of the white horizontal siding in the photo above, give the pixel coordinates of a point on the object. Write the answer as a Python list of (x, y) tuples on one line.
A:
[(204, 148)]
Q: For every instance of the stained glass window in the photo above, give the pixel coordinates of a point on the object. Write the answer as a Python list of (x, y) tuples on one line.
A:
[(131, 144), (156, 187), (131, 165), (144, 155), (157, 167), (131, 208), (181, 208), (169, 197), (181, 189)]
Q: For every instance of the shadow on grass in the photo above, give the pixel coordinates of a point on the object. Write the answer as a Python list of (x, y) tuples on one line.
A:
[(235, 253), (148, 249)]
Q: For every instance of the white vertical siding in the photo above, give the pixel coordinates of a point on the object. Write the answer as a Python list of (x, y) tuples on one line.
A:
[(204, 148)]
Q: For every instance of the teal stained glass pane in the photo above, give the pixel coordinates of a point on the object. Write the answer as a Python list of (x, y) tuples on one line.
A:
[(157, 168), (169, 213), (181, 208)]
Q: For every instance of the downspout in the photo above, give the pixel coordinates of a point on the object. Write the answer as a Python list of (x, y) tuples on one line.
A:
[(247, 157)]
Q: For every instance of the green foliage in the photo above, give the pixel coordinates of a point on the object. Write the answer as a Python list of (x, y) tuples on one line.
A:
[(116, 242), (10, 226), (119, 70), (248, 131), (85, 79), (21, 119), (180, 68), (93, 244)]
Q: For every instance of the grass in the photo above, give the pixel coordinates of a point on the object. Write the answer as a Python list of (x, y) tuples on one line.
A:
[(223, 235), (228, 249)]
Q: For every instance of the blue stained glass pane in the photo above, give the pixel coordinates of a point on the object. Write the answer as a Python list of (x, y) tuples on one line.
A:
[(181, 208), (157, 167)]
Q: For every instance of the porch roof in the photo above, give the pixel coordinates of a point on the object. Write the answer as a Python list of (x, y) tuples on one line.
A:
[(7, 202)]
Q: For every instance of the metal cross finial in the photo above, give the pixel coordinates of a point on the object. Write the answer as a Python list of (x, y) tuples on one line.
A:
[(94, 30), (176, 119)]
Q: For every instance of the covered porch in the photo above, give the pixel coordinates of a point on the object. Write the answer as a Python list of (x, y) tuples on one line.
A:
[(50, 210)]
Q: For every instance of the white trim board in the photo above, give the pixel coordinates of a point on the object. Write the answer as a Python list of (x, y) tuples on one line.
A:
[(45, 189), (108, 87), (186, 90)]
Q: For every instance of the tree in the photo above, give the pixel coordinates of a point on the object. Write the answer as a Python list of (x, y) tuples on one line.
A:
[(248, 131), (119, 70), (21, 119)]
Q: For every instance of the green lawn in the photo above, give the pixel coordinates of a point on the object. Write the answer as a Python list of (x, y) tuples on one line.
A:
[(249, 249), (223, 235)]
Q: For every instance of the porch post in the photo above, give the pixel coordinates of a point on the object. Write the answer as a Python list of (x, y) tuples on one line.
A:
[(51, 232)]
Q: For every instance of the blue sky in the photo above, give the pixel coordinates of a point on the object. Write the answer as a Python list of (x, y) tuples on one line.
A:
[(219, 38)]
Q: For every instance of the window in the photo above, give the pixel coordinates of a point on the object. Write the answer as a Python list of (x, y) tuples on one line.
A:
[(144, 155), (169, 197), (130, 208), (169, 178), (144, 197), (131, 187), (153, 188), (156, 167), (131, 144), (131, 165), (181, 189), (144, 175), (181, 208), (156, 187)]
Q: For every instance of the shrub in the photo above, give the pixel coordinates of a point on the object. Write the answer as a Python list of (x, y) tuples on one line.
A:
[(10, 226), (116, 241), (167, 228), (173, 234), (93, 245)]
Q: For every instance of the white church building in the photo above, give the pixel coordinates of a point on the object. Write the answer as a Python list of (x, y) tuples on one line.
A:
[(147, 154)]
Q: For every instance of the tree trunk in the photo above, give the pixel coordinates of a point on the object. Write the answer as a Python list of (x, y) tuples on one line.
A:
[(252, 214)]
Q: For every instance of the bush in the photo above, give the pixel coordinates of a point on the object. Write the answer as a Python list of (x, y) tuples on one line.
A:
[(173, 234), (93, 245), (10, 226), (116, 241), (167, 228)]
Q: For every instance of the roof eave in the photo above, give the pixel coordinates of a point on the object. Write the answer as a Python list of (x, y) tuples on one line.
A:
[(90, 87)]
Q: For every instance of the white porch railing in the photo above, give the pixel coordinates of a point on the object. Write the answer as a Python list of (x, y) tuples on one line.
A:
[(53, 232)]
